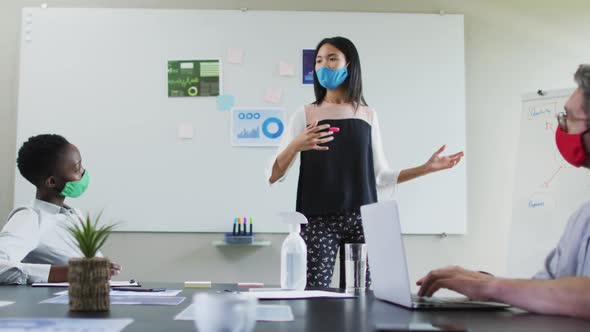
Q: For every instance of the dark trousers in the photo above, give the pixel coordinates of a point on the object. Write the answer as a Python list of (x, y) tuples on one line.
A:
[(324, 236)]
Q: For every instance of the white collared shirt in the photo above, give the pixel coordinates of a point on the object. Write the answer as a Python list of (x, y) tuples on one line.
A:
[(35, 238)]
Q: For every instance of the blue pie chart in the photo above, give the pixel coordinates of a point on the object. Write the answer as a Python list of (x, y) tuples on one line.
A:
[(269, 121)]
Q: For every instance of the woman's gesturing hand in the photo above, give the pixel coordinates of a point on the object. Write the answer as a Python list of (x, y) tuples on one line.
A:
[(312, 137)]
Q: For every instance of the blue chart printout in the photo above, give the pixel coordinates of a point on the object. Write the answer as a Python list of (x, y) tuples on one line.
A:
[(63, 324), (257, 126), (307, 66), (125, 299)]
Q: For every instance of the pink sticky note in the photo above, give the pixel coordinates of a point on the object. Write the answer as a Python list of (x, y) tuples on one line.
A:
[(273, 95), (286, 69), (185, 131), (250, 284), (235, 55)]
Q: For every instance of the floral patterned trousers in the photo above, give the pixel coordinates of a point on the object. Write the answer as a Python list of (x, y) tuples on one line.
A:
[(324, 236)]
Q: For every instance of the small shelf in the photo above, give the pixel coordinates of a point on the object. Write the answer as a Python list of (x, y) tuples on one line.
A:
[(253, 244)]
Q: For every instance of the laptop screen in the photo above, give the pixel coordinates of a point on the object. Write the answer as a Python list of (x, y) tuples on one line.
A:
[(385, 249)]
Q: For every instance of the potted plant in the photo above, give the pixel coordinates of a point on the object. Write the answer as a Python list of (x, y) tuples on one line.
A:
[(89, 276)]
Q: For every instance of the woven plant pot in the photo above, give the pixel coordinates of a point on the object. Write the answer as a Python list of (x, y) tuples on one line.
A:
[(89, 284)]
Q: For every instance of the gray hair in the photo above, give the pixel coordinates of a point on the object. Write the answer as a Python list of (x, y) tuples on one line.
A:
[(582, 78)]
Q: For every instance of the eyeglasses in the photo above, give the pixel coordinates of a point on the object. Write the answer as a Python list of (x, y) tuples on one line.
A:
[(562, 119)]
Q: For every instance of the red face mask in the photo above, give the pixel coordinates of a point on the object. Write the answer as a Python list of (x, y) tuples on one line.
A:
[(572, 147)]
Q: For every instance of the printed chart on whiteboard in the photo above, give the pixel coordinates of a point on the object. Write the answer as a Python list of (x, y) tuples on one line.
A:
[(547, 190), (194, 78), (257, 126)]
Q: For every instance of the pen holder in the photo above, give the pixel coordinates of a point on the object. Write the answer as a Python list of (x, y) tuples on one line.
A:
[(238, 239)]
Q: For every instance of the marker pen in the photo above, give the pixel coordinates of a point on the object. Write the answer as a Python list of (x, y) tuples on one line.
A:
[(234, 230), (251, 226)]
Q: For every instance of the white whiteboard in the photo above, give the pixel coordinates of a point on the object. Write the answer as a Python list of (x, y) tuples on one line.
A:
[(547, 190), (98, 77)]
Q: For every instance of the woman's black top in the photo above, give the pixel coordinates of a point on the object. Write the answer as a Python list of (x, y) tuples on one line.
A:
[(342, 178)]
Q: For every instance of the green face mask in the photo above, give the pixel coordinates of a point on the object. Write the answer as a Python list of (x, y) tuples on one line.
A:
[(75, 189)]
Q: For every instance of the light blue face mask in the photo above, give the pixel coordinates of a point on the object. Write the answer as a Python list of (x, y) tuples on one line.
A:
[(331, 78)]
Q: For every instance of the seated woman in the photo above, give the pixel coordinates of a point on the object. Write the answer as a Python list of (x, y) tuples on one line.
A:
[(35, 245)]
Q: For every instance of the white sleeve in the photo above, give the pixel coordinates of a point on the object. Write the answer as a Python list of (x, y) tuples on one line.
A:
[(18, 238), (386, 178), (294, 127)]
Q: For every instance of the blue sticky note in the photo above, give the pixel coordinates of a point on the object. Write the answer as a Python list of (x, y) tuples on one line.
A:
[(225, 102)]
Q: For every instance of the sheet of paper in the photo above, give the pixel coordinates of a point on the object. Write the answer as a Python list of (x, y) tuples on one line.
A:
[(131, 300), (273, 95), (292, 295), (168, 292), (63, 324), (269, 289), (286, 69), (186, 314), (235, 55), (267, 313), (257, 126), (6, 303), (274, 313), (185, 131), (132, 283), (225, 102)]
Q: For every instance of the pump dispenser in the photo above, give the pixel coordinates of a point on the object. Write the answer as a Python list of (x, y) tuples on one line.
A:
[(294, 253)]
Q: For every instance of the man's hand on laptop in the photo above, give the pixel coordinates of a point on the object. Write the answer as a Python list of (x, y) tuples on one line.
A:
[(475, 285)]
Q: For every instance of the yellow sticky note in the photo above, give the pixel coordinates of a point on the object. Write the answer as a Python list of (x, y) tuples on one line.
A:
[(197, 284)]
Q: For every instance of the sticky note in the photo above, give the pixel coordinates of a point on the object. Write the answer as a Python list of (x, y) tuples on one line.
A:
[(273, 95), (251, 284), (185, 131), (286, 69), (235, 55), (225, 102), (197, 284)]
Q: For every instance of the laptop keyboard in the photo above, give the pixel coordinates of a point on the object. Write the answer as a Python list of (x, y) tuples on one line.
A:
[(429, 300), (419, 299)]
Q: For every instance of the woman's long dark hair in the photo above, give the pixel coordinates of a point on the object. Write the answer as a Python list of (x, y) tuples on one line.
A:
[(353, 85)]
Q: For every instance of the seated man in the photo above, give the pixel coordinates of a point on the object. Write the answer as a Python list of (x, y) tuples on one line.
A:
[(563, 287), (35, 245)]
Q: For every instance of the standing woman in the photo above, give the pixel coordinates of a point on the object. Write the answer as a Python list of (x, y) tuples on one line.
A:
[(342, 160)]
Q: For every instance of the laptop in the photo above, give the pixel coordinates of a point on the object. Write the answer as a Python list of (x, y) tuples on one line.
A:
[(389, 270)]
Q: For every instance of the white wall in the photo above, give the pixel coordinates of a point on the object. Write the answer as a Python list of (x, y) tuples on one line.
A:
[(512, 46)]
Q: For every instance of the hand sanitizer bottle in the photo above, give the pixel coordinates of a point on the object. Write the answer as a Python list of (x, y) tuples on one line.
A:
[(294, 253)]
